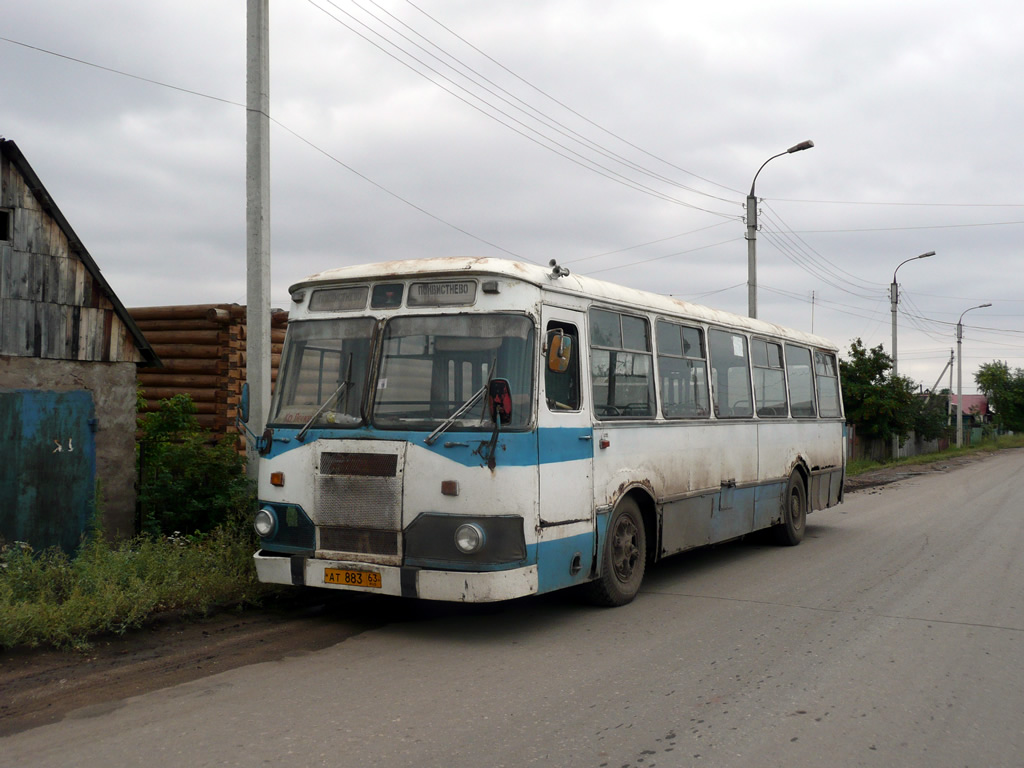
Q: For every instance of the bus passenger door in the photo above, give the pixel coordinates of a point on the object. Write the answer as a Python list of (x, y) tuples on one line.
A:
[(565, 432)]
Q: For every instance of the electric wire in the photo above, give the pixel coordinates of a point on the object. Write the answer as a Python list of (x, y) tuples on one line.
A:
[(521, 104), (665, 256), (806, 248), (121, 72), (395, 195), (808, 265), (524, 130), (289, 130), (644, 245), (695, 296), (570, 109)]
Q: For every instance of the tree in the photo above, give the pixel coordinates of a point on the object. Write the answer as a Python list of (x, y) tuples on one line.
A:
[(1005, 392), (880, 405)]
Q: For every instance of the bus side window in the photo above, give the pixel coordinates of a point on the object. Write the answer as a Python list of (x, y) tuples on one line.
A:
[(730, 380), (562, 389), (801, 383), (683, 370), (769, 379), (827, 377)]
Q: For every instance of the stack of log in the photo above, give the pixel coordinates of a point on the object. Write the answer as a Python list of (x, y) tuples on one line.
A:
[(202, 348)]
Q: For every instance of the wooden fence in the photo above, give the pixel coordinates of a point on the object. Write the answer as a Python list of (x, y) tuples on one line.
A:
[(202, 348)]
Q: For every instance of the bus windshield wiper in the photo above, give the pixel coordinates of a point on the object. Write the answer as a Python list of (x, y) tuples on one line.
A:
[(447, 423), (337, 393)]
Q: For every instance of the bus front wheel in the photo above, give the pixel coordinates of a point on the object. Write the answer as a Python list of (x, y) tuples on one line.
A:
[(790, 531), (624, 559)]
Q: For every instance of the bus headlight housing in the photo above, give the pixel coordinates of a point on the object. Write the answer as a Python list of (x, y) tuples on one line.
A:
[(469, 538), (265, 522)]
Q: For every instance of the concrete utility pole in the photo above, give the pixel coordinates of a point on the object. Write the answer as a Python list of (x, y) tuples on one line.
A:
[(959, 375), (949, 410), (257, 216), (752, 229), (894, 295)]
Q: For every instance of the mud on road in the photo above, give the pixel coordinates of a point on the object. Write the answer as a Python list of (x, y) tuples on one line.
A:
[(43, 686)]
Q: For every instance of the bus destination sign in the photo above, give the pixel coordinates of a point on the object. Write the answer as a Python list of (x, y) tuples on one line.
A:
[(442, 294)]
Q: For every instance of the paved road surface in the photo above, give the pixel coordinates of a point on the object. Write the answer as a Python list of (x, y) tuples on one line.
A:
[(893, 636)]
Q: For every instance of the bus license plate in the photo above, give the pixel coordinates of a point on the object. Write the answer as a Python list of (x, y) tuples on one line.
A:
[(352, 578)]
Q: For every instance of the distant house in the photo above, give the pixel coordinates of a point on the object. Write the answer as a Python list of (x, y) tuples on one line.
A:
[(976, 411), (68, 357)]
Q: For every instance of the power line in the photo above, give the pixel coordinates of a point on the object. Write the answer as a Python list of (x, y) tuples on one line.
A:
[(524, 130), (905, 204), (811, 256), (395, 195), (644, 245), (666, 256), (122, 73), (907, 229), (284, 127), (570, 109), (525, 107)]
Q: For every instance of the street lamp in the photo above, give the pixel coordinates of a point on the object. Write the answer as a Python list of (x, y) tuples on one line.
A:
[(752, 229), (959, 376), (894, 296)]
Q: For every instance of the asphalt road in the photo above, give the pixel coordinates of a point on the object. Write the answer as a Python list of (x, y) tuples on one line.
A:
[(893, 636)]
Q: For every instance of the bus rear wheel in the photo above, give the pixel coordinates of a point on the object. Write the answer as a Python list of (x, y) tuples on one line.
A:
[(624, 559), (790, 531)]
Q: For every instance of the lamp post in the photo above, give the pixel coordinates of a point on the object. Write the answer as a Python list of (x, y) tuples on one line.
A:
[(959, 376), (894, 296), (752, 229)]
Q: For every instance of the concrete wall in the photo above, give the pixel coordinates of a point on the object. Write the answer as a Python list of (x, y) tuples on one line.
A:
[(113, 390)]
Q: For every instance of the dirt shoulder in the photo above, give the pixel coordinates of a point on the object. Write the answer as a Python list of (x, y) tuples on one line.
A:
[(878, 478), (42, 686)]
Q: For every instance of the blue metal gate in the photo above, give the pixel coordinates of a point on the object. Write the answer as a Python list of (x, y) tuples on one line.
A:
[(47, 466)]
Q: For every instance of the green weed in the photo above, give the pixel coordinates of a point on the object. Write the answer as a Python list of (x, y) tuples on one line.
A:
[(48, 598)]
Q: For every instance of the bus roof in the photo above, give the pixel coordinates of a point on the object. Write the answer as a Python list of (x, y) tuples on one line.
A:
[(543, 277)]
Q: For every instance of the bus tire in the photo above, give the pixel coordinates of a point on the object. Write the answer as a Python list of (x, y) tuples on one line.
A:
[(624, 559), (790, 531)]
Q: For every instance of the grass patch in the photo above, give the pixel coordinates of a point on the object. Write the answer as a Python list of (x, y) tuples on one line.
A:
[(1001, 442), (48, 598)]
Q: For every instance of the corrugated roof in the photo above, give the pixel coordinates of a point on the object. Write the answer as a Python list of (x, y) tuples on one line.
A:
[(974, 404)]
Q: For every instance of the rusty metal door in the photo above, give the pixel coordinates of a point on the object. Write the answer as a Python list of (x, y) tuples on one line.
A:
[(47, 466)]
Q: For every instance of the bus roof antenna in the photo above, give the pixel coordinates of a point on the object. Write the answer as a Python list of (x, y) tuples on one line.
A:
[(557, 271)]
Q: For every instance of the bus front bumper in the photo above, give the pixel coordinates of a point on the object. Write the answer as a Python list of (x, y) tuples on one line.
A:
[(426, 584)]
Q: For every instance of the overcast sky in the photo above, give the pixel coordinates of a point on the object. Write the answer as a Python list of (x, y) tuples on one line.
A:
[(620, 138)]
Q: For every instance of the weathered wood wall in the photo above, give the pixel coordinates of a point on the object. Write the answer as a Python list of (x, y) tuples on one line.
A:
[(202, 348), (50, 305)]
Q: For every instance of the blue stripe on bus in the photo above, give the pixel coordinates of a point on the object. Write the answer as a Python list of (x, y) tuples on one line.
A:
[(515, 449), (555, 561)]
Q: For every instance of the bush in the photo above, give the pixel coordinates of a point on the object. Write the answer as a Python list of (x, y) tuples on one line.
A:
[(187, 481)]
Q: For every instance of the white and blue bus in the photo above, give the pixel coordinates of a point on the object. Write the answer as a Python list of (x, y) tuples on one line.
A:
[(479, 429)]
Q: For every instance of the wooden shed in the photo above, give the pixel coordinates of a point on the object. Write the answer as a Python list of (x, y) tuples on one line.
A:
[(68, 357), (203, 350)]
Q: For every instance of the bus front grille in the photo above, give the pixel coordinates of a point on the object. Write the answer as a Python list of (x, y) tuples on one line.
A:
[(359, 540), (358, 505)]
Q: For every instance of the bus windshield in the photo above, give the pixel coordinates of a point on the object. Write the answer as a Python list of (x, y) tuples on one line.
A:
[(432, 365), (323, 373)]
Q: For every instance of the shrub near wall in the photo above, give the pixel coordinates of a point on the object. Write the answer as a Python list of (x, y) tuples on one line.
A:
[(187, 482)]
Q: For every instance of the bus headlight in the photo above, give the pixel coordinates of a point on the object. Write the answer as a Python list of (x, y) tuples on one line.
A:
[(469, 538), (265, 522)]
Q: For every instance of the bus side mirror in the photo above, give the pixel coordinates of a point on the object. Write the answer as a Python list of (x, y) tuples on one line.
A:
[(559, 352), (243, 406), (499, 394)]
